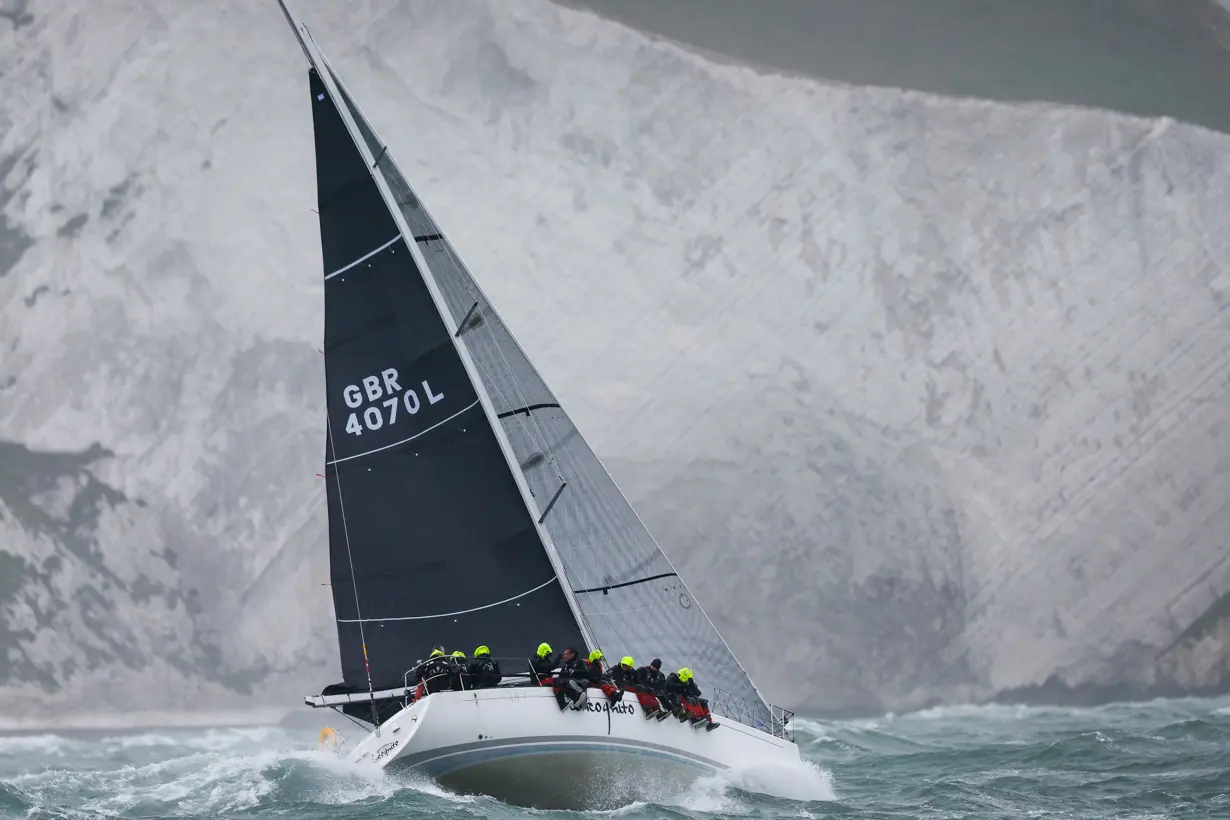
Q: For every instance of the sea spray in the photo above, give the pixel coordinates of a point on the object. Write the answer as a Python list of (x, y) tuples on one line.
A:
[(737, 791)]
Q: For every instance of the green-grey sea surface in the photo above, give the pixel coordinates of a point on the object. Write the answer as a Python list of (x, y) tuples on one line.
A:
[(1165, 759)]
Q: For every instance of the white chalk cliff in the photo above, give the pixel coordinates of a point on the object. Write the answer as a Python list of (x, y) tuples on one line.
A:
[(928, 398)]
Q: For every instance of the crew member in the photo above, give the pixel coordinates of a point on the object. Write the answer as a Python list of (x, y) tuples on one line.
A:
[(458, 671), (593, 666), (543, 664), (597, 674), (650, 681), (623, 677), (433, 674), (570, 683), (692, 707), (485, 671)]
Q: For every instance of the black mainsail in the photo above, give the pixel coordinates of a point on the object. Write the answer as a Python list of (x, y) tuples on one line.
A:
[(430, 540), (483, 516)]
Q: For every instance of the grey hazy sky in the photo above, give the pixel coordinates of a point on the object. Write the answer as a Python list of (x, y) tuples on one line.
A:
[(1148, 57)]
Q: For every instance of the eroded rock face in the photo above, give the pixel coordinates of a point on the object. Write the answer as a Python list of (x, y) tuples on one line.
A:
[(87, 596), (924, 397)]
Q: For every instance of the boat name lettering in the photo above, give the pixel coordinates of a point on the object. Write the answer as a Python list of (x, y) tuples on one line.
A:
[(621, 708), (383, 391), (384, 750)]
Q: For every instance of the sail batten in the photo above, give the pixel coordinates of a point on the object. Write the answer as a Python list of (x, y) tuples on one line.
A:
[(510, 599), (363, 258)]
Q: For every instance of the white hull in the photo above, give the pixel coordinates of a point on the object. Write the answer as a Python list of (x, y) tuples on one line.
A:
[(516, 745)]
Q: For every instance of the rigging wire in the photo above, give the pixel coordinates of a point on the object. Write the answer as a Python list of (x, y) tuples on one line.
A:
[(354, 582)]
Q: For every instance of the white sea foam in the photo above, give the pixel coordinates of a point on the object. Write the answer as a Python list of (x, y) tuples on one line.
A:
[(215, 772), (803, 781), (34, 744)]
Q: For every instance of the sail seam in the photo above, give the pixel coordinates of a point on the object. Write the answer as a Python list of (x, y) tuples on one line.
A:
[(362, 258), (411, 438), (447, 614)]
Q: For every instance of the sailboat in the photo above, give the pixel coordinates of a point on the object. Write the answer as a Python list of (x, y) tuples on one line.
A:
[(465, 508)]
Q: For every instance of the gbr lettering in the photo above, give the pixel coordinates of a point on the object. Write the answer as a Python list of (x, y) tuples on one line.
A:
[(387, 401)]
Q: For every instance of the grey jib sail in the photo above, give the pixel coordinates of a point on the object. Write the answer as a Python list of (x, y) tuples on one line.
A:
[(430, 539), (630, 596)]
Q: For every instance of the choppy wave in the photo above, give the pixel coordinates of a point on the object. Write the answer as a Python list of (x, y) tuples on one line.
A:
[(1167, 758)]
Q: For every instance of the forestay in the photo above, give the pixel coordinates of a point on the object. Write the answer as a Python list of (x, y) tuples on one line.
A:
[(631, 597), (430, 538)]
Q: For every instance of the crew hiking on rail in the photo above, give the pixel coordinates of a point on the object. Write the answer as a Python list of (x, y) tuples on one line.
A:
[(571, 677)]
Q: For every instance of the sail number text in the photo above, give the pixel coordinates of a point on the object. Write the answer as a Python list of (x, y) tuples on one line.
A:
[(383, 391)]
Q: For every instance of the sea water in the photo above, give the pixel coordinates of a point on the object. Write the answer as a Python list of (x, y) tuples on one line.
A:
[(1164, 759)]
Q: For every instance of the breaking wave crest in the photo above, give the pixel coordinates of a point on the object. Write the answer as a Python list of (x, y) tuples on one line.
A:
[(205, 773)]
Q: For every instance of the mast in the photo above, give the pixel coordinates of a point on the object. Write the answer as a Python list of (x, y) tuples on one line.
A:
[(319, 62)]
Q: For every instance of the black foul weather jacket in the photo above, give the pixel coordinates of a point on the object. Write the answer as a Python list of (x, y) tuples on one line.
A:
[(650, 679), (434, 674), (575, 669), (623, 677), (593, 671), (544, 666), (484, 673), (687, 689)]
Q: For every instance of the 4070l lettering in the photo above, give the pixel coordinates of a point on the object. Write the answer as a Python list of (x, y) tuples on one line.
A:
[(379, 392)]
